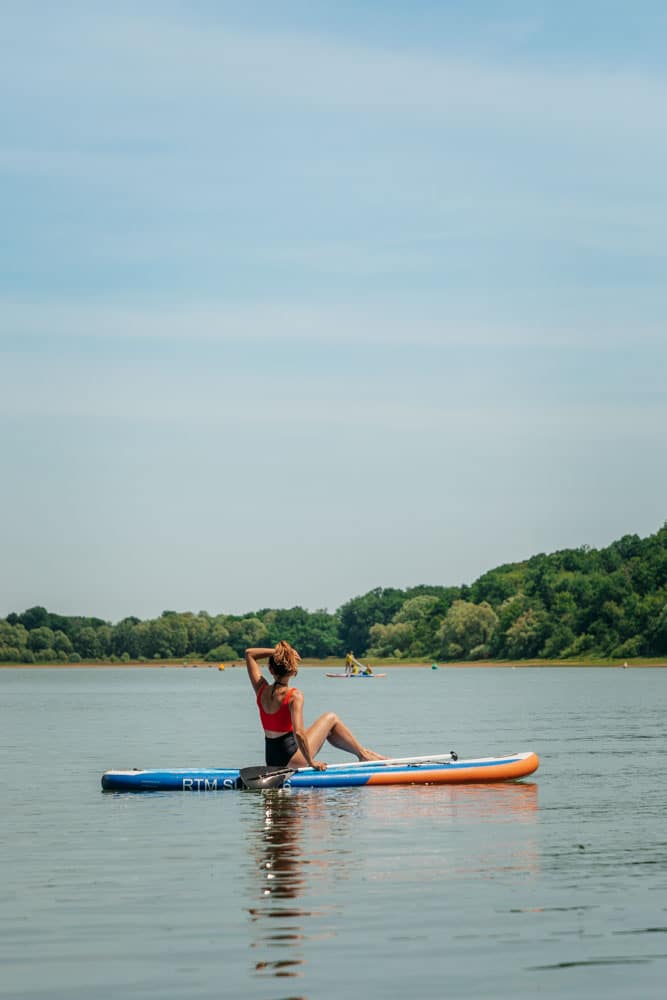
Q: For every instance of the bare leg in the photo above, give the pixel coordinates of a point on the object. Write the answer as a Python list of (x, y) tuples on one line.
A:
[(329, 727)]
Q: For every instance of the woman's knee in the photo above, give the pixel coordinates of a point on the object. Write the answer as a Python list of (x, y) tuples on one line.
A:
[(332, 720)]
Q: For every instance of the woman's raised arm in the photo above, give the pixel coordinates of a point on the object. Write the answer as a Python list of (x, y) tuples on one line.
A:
[(252, 666)]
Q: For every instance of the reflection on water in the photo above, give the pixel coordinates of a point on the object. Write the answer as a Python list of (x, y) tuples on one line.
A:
[(286, 870), (305, 842), (499, 821), (513, 802)]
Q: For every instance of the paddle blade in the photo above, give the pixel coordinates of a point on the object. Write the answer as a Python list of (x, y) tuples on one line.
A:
[(264, 777)]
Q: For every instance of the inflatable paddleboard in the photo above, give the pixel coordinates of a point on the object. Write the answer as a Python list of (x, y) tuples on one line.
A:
[(436, 770), (368, 677)]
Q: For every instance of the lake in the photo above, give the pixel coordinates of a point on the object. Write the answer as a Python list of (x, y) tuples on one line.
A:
[(554, 886)]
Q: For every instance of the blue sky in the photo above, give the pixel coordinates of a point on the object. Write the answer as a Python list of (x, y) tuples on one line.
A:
[(301, 299)]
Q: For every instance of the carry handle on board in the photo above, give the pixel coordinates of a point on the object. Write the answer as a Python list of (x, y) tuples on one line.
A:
[(260, 776)]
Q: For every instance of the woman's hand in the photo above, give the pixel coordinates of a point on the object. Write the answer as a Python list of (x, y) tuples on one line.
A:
[(319, 765), (259, 652)]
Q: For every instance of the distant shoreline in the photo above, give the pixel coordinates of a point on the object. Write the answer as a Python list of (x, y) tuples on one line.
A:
[(339, 664)]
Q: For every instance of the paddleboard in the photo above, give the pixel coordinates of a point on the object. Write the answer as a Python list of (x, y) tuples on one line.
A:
[(439, 769), (368, 677)]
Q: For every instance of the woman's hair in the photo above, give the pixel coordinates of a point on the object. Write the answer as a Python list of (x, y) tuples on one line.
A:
[(284, 660)]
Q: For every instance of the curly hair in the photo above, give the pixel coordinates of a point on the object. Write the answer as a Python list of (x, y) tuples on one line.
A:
[(284, 660)]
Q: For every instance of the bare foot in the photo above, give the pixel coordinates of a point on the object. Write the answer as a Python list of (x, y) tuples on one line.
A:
[(370, 755)]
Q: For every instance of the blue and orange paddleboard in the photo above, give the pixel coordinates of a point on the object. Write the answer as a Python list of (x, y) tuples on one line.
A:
[(436, 769)]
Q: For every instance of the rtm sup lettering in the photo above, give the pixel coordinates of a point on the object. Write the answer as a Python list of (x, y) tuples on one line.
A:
[(201, 784)]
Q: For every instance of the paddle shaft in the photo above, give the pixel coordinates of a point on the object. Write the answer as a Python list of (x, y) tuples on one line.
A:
[(437, 758)]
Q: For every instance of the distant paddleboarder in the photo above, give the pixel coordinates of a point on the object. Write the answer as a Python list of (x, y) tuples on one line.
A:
[(352, 666)]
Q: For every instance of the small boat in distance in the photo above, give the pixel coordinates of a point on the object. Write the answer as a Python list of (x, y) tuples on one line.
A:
[(359, 676), (353, 668)]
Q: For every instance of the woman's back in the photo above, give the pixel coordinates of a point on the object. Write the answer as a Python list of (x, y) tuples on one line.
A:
[(274, 710)]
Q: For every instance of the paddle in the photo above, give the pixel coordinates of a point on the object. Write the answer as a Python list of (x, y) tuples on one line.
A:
[(259, 777), (263, 777)]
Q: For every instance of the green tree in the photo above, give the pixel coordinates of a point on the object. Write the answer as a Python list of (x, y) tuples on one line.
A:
[(560, 639), (465, 627), (312, 633), (322, 637), (104, 640), (198, 629), (10, 654), (40, 639), (222, 653), (158, 646), (34, 618), (124, 638), (657, 632), (86, 643), (358, 616), (218, 633), (527, 635), (15, 636), (62, 643), (498, 585), (422, 614), (248, 631), (394, 639)]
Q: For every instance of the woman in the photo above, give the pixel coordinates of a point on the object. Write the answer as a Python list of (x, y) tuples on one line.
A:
[(288, 742)]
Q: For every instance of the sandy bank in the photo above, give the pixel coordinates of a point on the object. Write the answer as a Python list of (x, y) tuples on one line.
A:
[(339, 664)]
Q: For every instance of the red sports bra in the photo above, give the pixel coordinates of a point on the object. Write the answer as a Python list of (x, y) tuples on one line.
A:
[(280, 721)]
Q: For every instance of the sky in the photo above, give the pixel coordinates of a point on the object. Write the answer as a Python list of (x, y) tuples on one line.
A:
[(302, 299)]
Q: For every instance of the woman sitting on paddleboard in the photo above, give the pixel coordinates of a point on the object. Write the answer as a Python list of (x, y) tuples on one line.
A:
[(288, 742)]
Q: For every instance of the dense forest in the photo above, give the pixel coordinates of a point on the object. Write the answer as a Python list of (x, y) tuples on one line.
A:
[(576, 603)]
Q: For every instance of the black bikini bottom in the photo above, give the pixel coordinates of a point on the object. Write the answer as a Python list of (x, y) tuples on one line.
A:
[(280, 749)]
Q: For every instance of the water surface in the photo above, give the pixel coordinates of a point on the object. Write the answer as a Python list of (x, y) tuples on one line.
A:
[(554, 886)]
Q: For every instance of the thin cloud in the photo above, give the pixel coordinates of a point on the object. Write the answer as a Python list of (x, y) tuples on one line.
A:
[(461, 405), (173, 61), (407, 324)]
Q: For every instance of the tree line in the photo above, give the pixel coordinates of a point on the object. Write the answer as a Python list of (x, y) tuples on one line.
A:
[(584, 602)]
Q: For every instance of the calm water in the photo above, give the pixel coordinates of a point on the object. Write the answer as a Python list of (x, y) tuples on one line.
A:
[(555, 887)]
